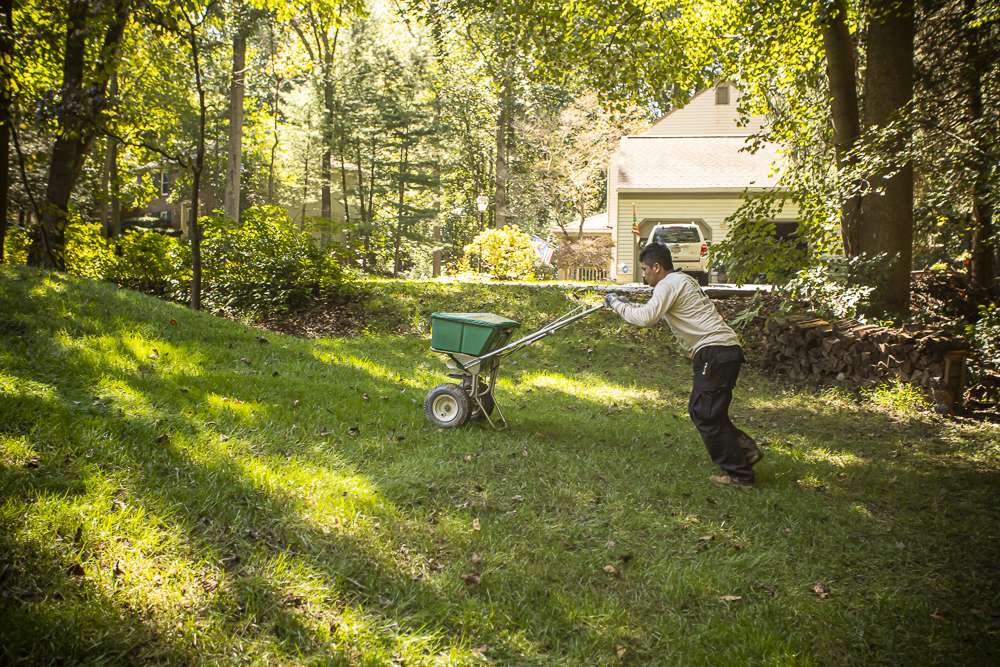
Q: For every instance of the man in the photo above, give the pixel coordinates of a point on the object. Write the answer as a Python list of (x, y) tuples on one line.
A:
[(715, 349)]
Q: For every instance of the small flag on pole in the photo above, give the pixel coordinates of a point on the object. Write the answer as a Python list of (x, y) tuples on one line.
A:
[(543, 250)]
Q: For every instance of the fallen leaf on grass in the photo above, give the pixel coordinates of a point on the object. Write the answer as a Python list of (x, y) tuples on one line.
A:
[(468, 458), (33, 462), (475, 524), (76, 570), (173, 323), (730, 598), (354, 430), (611, 569), (480, 651), (476, 559), (471, 579), (117, 569), (621, 651), (821, 590)]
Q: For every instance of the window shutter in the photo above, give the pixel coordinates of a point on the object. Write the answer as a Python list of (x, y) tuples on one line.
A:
[(722, 95)]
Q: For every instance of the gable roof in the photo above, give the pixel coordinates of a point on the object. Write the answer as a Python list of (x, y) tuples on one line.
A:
[(694, 163), (701, 116)]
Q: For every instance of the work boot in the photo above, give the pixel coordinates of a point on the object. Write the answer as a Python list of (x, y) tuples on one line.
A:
[(729, 480), (750, 449)]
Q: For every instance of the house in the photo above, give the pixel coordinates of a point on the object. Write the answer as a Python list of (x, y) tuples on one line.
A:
[(170, 209), (596, 230), (691, 166)]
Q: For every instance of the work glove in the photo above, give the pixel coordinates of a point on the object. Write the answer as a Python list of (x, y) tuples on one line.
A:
[(610, 299)]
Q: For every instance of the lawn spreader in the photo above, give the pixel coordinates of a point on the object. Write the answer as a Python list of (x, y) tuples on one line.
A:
[(475, 344)]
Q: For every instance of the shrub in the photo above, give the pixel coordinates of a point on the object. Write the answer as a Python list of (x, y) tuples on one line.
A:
[(88, 254), (505, 254), (264, 264), (146, 260), (16, 244)]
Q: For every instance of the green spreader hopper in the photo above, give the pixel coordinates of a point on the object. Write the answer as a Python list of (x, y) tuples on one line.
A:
[(474, 334)]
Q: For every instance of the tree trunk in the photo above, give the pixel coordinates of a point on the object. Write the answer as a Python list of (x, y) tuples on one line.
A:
[(842, 72), (81, 102), (887, 224), (6, 53), (196, 173), (503, 120), (984, 246), (231, 196), (400, 195), (111, 204), (326, 173)]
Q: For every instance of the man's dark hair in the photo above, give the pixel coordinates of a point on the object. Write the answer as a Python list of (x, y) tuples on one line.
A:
[(657, 253)]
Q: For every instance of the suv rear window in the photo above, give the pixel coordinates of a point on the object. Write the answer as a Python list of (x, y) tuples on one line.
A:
[(676, 235)]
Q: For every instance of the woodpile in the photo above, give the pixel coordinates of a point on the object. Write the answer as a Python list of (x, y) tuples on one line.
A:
[(812, 350)]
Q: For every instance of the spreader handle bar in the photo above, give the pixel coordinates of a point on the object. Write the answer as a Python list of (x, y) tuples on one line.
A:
[(547, 330)]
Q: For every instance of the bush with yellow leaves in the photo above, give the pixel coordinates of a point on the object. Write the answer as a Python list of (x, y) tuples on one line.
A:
[(504, 254)]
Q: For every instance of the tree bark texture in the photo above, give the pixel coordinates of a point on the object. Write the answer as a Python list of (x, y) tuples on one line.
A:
[(325, 171), (81, 103), (503, 121), (196, 172), (887, 223), (842, 68), (401, 194), (984, 246), (111, 204), (6, 51), (231, 204)]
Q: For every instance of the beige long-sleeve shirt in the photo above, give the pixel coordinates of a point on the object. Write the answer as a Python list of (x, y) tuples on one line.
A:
[(691, 315)]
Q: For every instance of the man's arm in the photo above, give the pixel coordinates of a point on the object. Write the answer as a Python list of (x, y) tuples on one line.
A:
[(651, 312)]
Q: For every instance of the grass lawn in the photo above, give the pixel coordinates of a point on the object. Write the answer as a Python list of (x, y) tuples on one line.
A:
[(178, 488)]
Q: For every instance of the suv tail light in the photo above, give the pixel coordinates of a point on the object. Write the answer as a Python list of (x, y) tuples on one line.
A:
[(704, 249)]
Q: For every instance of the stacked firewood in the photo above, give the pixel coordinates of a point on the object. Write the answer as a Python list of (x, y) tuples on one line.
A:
[(809, 349)]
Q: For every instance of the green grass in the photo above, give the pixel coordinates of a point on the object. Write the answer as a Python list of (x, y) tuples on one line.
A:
[(174, 491)]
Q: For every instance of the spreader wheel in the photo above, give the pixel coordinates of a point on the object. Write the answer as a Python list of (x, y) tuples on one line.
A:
[(447, 405), (488, 403)]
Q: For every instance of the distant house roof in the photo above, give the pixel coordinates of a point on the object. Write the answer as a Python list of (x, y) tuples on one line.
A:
[(595, 224), (694, 163)]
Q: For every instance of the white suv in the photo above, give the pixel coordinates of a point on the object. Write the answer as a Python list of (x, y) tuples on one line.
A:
[(688, 247)]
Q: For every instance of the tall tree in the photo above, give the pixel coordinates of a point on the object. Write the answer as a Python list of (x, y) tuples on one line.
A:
[(94, 32), (231, 197), (887, 223), (842, 67), (6, 59)]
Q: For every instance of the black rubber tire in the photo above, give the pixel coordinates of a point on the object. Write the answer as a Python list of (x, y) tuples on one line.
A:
[(447, 405), (488, 403)]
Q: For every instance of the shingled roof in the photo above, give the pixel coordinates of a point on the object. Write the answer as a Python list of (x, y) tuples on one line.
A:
[(694, 163)]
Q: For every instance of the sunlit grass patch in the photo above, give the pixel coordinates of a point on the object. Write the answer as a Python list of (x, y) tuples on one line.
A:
[(901, 397)]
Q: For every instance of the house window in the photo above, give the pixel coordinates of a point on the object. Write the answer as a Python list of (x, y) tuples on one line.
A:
[(722, 95)]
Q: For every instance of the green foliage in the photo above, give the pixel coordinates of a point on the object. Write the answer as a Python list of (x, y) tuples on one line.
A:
[(504, 254), (897, 396), (264, 264), (143, 260), (88, 254), (838, 286), (16, 246), (147, 261), (751, 250)]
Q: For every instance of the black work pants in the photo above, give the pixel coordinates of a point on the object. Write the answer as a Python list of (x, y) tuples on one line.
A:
[(716, 368)]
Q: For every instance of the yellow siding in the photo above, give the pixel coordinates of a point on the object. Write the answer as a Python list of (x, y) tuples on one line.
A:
[(702, 116), (712, 208)]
